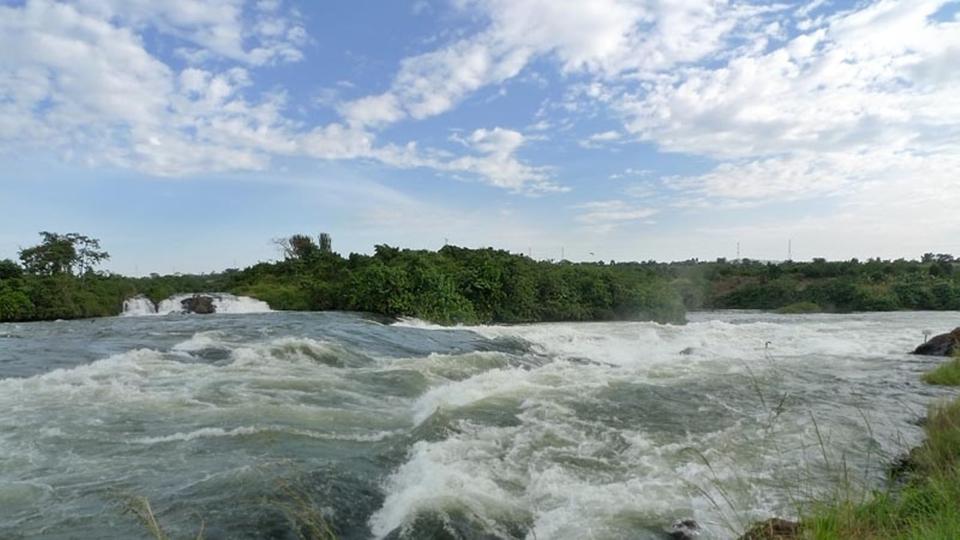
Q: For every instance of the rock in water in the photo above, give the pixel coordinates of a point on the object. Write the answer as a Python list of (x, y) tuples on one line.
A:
[(942, 345), (199, 304), (773, 529), (684, 529)]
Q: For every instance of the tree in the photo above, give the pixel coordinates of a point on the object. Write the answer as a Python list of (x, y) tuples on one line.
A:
[(63, 254), (88, 252), (326, 243), (54, 255), (9, 269), (297, 247)]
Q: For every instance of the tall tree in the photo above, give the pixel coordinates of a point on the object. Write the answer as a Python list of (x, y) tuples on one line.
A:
[(63, 254), (326, 243)]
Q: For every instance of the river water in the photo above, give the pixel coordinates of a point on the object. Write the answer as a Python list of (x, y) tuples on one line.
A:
[(274, 425)]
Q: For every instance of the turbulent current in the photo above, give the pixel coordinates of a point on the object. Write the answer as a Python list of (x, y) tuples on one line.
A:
[(275, 425)]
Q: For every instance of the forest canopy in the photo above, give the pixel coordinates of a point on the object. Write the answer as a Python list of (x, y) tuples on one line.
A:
[(58, 279)]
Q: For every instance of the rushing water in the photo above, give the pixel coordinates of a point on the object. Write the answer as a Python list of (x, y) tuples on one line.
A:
[(253, 423), (139, 306)]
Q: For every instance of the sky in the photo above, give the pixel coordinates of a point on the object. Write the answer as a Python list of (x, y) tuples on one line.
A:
[(186, 135)]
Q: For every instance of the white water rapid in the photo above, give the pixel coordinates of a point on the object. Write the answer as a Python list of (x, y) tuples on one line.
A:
[(140, 305)]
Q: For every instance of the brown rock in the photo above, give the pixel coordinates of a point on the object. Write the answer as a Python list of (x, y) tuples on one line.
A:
[(942, 345), (199, 304)]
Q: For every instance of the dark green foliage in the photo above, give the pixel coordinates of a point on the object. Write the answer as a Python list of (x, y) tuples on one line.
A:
[(460, 285), (9, 269), (457, 285), (840, 286), (70, 253), (453, 285)]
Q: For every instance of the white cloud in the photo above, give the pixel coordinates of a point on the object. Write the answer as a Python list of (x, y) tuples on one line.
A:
[(605, 37), (605, 216), (72, 81), (597, 140), (497, 162), (372, 110), (216, 27), (631, 172), (858, 102), (838, 108), (433, 83)]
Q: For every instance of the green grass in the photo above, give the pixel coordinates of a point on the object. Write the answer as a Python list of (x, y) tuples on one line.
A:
[(947, 374), (306, 518), (926, 506)]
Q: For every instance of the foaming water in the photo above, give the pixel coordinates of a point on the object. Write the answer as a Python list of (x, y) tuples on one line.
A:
[(223, 303), (596, 430)]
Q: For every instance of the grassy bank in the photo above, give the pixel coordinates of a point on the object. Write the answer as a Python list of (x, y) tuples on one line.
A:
[(925, 505)]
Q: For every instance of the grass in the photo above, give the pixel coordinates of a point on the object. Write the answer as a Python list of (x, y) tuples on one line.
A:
[(947, 374), (139, 506), (305, 516), (926, 506)]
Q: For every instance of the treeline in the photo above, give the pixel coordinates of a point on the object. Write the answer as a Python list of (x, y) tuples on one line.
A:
[(452, 285), (57, 279), (932, 283), (459, 285)]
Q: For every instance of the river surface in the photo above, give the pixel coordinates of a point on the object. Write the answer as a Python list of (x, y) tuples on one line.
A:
[(277, 425)]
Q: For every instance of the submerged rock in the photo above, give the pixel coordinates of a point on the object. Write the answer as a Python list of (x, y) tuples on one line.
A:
[(684, 529), (199, 304), (773, 529), (942, 345)]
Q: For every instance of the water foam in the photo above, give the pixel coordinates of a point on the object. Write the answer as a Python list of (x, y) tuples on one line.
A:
[(575, 462), (139, 306), (222, 302), (608, 437)]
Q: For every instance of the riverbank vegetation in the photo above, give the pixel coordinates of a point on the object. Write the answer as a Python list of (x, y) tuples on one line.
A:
[(452, 285), (931, 283), (922, 500), (58, 279), (925, 506)]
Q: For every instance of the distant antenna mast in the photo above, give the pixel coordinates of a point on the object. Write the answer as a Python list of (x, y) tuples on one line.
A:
[(562, 256), (790, 249), (738, 250)]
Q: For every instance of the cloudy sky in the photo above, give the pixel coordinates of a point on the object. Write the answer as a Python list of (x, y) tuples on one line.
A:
[(186, 134)]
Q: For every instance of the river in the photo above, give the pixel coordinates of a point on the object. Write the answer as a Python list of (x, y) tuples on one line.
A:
[(270, 425)]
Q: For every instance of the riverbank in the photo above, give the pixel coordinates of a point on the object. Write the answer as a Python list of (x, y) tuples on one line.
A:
[(922, 500)]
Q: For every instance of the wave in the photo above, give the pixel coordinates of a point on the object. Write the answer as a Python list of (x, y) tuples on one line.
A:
[(213, 432)]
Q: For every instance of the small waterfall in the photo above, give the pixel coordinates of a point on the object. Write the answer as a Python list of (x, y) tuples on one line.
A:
[(139, 306), (222, 303)]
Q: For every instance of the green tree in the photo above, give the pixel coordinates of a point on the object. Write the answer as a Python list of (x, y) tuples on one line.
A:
[(10, 270), (70, 253)]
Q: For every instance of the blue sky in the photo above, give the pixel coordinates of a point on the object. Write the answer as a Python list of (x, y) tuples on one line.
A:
[(186, 135)]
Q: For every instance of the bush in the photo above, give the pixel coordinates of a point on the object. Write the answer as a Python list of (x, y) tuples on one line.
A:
[(801, 307)]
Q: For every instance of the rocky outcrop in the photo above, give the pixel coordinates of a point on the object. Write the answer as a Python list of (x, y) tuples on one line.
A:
[(684, 529), (773, 529), (942, 345), (199, 304)]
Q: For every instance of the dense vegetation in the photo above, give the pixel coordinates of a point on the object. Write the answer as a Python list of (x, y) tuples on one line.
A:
[(800, 287), (459, 285), (57, 279), (447, 286)]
